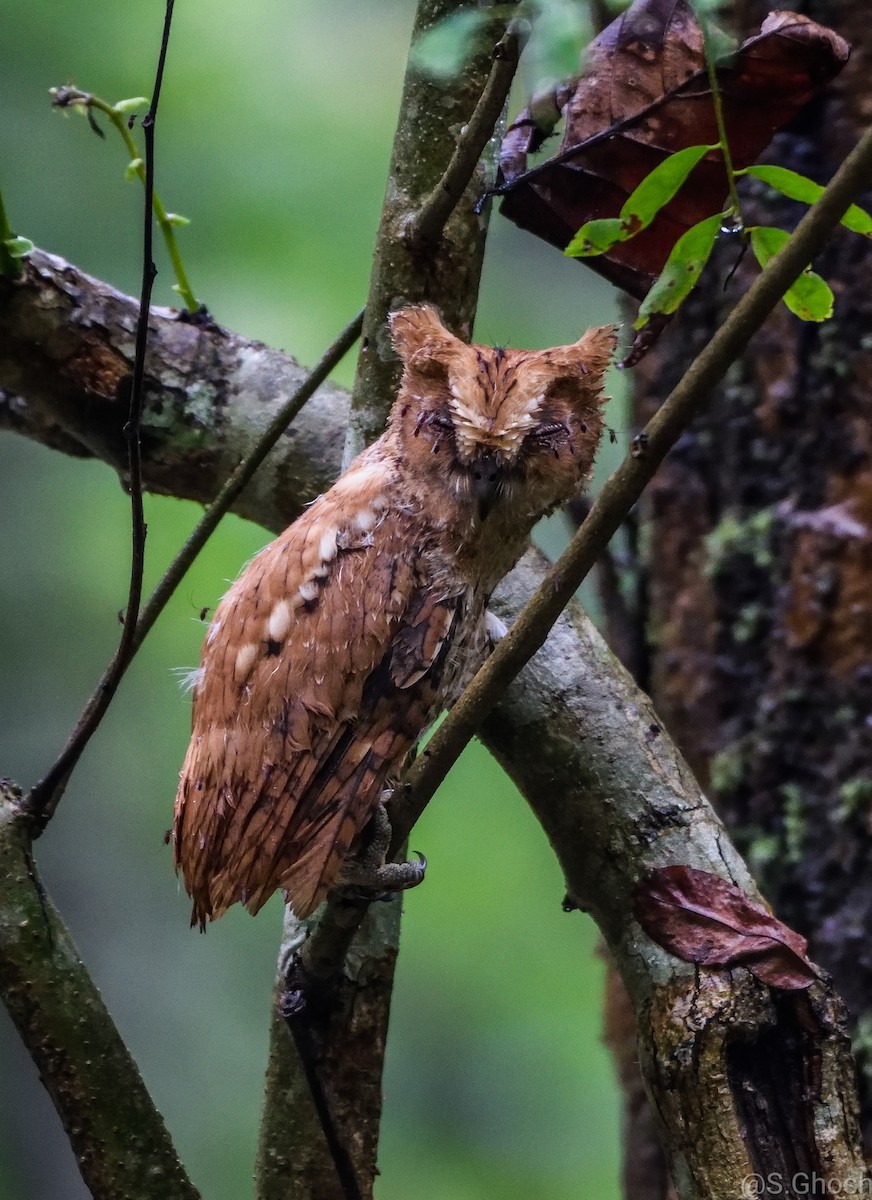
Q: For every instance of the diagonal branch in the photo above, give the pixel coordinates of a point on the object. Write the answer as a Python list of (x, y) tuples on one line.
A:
[(44, 797), (117, 1135), (325, 950)]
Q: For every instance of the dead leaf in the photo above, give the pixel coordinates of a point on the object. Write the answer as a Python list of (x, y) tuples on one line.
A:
[(700, 918), (644, 95)]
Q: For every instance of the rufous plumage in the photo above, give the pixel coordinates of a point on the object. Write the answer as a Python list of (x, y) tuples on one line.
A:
[(347, 635)]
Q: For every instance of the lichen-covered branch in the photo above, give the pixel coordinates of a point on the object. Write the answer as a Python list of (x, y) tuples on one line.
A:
[(117, 1135), (66, 357)]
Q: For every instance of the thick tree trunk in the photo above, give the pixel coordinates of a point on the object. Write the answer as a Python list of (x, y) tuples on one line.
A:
[(759, 566)]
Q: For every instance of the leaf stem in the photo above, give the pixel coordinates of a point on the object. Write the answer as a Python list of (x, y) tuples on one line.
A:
[(70, 97), (711, 68), (10, 266)]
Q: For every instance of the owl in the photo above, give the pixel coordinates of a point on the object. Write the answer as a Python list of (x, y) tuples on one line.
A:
[(344, 639)]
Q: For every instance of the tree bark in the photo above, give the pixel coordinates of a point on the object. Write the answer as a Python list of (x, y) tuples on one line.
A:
[(760, 562), (119, 1139)]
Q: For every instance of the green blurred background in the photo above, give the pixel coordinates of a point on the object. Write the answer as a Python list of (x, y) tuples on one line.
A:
[(274, 137)]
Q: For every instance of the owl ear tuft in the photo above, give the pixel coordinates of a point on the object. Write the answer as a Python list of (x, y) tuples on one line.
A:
[(581, 364), (590, 355), (418, 329)]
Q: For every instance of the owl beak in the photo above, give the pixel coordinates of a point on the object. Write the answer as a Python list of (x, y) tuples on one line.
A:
[(487, 477)]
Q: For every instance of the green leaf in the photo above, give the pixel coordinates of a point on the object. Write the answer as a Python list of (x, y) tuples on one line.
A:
[(18, 247), (177, 219), (810, 297), (596, 237), (641, 206), (800, 187), (131, 105), (678, 277), (659, 186), (133, 168), (442, 50)]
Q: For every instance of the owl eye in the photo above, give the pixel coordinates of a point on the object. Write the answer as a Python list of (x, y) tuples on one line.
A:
[(441, 421), (435, 419)]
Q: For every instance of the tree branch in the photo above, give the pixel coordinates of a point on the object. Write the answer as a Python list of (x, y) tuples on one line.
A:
[(345, 1024), (117, 1135), (616, 800), (66, 357), (429, 221)]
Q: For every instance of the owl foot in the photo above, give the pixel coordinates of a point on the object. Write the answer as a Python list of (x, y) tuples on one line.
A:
[(368, 870)]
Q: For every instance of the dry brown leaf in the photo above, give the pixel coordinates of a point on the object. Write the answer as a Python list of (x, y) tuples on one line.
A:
[(644, 95), (699, 917)]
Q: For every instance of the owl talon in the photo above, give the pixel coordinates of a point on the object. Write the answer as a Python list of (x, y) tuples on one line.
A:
[(387, 878)]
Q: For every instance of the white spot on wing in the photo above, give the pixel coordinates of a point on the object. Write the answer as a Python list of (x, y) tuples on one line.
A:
[(279, 621), (327, 546), (364, 520), (244, 661), (308, 591)]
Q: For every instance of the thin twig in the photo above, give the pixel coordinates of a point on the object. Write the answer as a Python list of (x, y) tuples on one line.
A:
[(619, 494), (40, 804), (42, 800), (430, 219), (625, 485)]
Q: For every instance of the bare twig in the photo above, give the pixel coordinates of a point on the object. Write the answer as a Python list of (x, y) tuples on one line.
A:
[(625, 485), (44, 797), (430, 219), (618, 495), (35, 809)]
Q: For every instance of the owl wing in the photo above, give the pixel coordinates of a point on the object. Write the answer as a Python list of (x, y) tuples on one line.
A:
[(319, 672)]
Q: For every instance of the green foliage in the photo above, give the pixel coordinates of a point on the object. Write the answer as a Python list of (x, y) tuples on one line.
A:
[(800, 187), (641, 207), (683, 268), (809, 297), (442, 50), (559, 31)]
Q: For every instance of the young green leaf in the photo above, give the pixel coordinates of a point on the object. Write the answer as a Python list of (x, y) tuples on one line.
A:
[(809, 297), (596, 237), (800, 187), (678, 277), (18, 247), (131, 105), (177, 219), (659, 186), (641, 206), (131, 171)]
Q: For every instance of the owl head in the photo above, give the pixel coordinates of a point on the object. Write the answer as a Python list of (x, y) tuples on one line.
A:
[(509, 431)]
